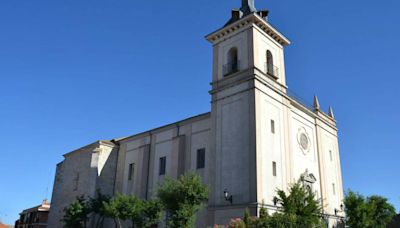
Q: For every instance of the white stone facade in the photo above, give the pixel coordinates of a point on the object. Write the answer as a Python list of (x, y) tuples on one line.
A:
[(257, 138)]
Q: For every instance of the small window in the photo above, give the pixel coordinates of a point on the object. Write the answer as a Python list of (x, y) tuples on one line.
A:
[(330, 155), (162, 165), (131, 171), (333, 189), (270, 63), (274, 169), (273, 126), (76, 180), (232, 64), (201, 158)]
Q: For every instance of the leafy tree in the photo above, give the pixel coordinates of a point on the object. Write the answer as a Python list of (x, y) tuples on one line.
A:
[(263, 213), (96, 206), (300, 209), (382, 211), (149, 214), (300, 203), (182, 198), (247, 217), (140, 212), (371, 212), (121, 208), (76, 214)]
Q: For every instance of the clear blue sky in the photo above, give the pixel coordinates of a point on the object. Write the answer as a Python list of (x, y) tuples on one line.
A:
[(72, 72)]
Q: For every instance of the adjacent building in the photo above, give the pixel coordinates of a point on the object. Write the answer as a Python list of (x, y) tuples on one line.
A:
[(35, 217), (256, 138)]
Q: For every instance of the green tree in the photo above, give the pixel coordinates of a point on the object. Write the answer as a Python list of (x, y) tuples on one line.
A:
[(247, 218), (76, 214), (182, 198), (299, 209), (96, 206), (263, 213), (121, 208), (301, 204), (381, 211), (141, 213), (149, 214), (371, 212)]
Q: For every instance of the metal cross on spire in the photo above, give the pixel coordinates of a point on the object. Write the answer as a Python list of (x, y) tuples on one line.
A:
[(248, 7)]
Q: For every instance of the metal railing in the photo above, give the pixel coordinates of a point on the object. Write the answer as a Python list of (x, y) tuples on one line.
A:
[(300, 100), (271, 70), (231, 67)]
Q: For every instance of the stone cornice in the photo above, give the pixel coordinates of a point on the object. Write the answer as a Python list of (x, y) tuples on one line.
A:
[(252, 19), (249, 75), (166, 127), (94, 145)]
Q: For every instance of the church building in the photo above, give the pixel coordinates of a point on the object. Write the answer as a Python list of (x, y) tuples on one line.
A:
[(257, 138)]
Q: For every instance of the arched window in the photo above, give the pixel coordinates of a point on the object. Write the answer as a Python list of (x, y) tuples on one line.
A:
[(270, 63), (232, 64)]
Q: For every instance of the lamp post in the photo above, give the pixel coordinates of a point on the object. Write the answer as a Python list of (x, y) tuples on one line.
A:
[(339, 210), (227, 196), (275, 200)]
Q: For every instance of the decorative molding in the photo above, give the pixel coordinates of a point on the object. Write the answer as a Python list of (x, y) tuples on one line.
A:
[(304, 140), (253, 19)]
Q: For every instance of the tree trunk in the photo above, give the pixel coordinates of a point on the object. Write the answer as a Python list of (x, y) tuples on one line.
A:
[(115, 222), (99, 221), (119, 223)]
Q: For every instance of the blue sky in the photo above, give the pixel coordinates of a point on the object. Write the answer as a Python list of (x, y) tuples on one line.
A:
[(72, 72)]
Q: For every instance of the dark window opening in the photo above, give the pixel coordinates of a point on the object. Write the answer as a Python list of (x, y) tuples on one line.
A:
[(232, 64), (274, 169), (273, 126), (270, 67), (201, 158), (131, 171), (162, 165)]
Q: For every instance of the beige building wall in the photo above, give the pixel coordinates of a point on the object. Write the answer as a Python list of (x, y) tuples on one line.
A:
[(82, 172), (178, 142)]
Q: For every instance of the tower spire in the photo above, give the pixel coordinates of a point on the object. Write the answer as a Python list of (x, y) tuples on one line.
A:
[(248, 7), (330, 113), (316, 103)]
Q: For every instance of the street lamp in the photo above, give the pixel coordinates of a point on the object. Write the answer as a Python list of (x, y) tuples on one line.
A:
[(275, 200), (228, 197), (341, 209)]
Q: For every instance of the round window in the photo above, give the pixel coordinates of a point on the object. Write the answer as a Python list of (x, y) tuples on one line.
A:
[(304, 141)]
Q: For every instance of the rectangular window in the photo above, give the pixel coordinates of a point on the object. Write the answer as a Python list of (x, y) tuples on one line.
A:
[(272, 126), (330, 155), (131, 171), (333, 189), (201, 158), (274, 169), (76, 180), (162, 165)]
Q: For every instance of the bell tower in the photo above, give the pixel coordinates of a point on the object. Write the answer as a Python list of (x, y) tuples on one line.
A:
[(248, 42), (248, 60)]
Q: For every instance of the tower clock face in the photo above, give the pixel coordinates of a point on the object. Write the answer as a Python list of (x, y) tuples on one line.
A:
[(303, 140)]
